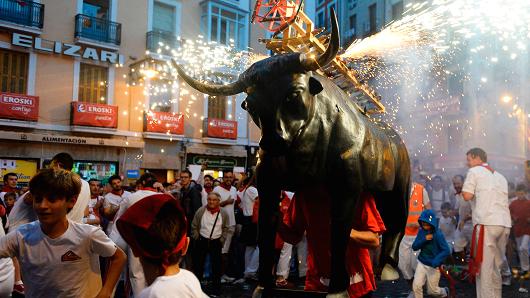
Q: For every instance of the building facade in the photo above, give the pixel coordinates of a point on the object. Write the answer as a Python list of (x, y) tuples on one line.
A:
[(77, 77)]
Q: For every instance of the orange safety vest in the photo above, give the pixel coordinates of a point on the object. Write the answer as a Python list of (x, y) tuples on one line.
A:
[(415, 209)]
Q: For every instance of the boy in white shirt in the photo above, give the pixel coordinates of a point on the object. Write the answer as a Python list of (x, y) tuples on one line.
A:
[(155, 229), (58, 257)]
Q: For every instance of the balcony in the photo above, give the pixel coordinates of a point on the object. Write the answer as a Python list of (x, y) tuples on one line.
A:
[(98, 30), (22, 15), (156, 38)]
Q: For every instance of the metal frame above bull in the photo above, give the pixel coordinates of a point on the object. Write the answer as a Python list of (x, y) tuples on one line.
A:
[(312, 133)]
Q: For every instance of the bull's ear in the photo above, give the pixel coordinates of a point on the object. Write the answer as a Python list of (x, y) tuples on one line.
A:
[(314, 86)]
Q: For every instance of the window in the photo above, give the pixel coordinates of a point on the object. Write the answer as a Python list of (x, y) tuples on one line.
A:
[(14, 75), (96, 8), (397, 10), (217, 107), (226, 26), (93, 84), (160, 96), (372, 11), (320, 20), (163, 17)]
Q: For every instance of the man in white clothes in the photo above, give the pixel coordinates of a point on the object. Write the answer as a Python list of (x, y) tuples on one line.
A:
[(248, 196), (464, 228), (487, 190), (136, 273), (113, 199), (228, 198), (438, 195)]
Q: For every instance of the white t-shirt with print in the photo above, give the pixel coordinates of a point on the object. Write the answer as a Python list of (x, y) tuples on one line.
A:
[(489, 206), (183, 285), (67, 266), (225, 195)]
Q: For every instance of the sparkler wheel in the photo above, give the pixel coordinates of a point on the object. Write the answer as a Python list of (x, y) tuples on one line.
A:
[(275, 15)]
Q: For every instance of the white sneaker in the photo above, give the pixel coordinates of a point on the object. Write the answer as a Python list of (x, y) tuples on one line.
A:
[(389, 273), (226, 279), (506, 280)]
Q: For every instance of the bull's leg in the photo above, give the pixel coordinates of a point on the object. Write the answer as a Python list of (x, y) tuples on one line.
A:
[(342, 212), (269, 193)]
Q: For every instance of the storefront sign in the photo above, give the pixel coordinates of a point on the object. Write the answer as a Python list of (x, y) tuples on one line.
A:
[(57, 47), (133, 174), (19, 107), (223, 129), (164, 122), (66, 139), (88, 114), (216, 162), (25, 169)]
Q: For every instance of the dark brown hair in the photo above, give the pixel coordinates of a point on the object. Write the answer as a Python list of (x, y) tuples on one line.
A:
[(164, 234), (474, 152), (53, 184)]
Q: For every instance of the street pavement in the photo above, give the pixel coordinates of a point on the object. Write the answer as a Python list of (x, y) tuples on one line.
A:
[(395, 289)]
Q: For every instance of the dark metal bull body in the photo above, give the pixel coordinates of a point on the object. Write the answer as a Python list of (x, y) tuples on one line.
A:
[(312, 133)]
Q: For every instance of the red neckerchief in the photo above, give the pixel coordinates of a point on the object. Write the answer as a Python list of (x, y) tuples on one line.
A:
[(208, 189), (8, 188), (118, 193), (94, 197), (488, 167), (148, 188), (226, 186), (477, 247), (213, 210)]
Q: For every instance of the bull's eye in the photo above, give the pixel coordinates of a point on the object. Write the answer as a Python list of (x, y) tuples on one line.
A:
[(295, 94)]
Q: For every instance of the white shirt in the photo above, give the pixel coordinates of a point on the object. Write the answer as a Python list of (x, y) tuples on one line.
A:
[(124, 205), (248, 198), (67, 266), (448, 228), (437, 199), (112, 199), (207, 221), (21, 213), (78, 212), (225, 195), (464, 209), (182, 285), (489, 206)]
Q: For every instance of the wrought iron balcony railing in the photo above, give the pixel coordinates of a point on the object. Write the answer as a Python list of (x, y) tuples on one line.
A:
[(158, 39), (22, 12), (97, 29)]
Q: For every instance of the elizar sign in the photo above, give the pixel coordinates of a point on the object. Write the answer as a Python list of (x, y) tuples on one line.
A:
[(57, 47)]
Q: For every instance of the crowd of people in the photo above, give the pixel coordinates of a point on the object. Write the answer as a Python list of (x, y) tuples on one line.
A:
[(192, 236)]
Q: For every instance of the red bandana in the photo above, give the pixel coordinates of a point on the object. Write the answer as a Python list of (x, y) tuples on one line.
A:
[(140, 216), (477, 247), (208, 189), (148, 188), (213, 210), (118, 193), (8, 188), (488, 167), (226, 186)]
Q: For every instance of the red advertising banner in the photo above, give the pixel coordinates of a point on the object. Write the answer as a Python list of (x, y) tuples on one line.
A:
[(164, 122), (89, 114), (19, 106), (224, 129)]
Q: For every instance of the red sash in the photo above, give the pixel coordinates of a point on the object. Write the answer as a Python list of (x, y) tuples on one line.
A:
[(477, 247)]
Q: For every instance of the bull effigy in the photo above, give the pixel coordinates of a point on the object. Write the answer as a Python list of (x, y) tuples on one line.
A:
[(312, 133)]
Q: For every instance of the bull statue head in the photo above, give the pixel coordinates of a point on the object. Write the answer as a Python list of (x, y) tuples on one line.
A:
[(280, 92)]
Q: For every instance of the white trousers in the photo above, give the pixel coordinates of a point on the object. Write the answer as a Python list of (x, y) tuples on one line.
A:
[(251, 260), (463, 237), (136, 274), (408, 259), (522, 248), (489, 280), (228, 240), (7, 279), (285, 257), (427, 275)]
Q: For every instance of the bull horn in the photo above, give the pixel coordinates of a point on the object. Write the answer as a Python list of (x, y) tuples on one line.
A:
[(210, 89), (331, 51)]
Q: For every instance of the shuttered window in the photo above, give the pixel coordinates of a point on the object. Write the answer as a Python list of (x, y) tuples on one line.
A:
[(14, 71), (164, 17), (217, 107), (93, 84)]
